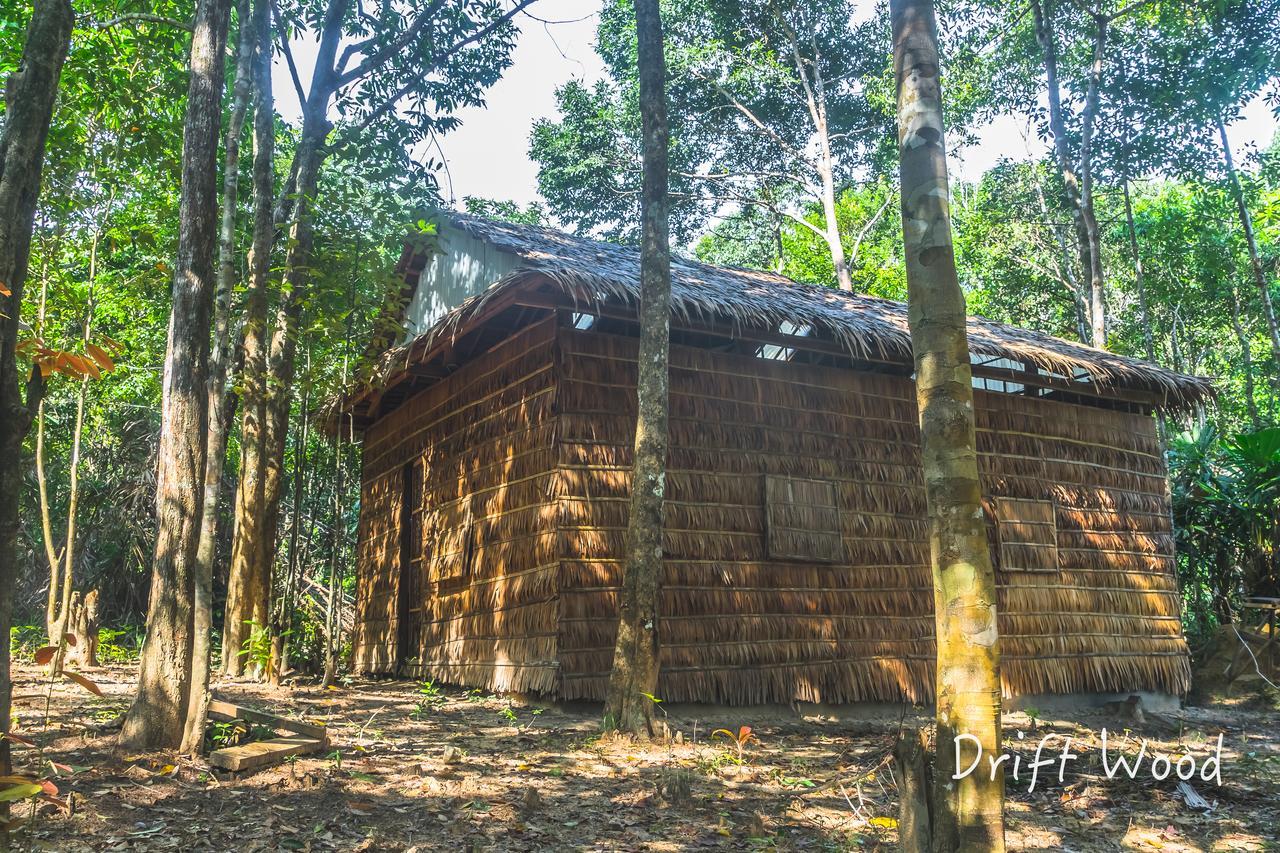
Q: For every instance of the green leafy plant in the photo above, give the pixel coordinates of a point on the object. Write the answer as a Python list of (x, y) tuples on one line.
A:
[(257, 647), (24, 640), (430, 698), (119, 645)]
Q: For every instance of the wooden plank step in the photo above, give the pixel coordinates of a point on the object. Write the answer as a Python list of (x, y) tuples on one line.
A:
[(230, 711), (263, 753)]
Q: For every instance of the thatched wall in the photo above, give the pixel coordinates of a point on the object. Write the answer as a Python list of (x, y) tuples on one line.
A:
[(476, 449), (739, 627), (797, 555)]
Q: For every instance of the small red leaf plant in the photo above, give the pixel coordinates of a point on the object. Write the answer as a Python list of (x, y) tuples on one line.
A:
[(739, 740)]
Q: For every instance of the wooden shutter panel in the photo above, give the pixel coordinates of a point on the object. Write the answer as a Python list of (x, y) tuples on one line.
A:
[(803, 520)]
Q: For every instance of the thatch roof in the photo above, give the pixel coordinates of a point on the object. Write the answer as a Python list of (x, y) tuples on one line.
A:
[(868, 327)]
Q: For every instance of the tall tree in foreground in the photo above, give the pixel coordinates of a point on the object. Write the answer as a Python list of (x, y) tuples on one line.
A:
[(412, 67), (219, 397), (248, 578), (967, 814), (30, 93), (635, 657), (157, 718)]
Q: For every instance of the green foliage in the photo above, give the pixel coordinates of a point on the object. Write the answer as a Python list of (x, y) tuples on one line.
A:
[(257, 647), (509, 211), (1225, 493), (430, 699), (24, 640), (119, 645)]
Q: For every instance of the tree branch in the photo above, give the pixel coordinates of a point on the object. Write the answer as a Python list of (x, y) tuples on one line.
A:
[(390, 49), (751, 117), (288, 58), (871, 223), (389, 103), (141, 17)]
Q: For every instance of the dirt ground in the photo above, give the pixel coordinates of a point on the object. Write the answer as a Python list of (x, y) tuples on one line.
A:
[(463, 771)]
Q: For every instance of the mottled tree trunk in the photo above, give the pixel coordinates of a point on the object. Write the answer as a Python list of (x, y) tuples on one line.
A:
[(259, 544), (217, 395), (157, 718), (1043, 16), (635, 658), (844, 280), (1251, 241), (1094, 271), (967, 813), (29, 98), (247, 545)]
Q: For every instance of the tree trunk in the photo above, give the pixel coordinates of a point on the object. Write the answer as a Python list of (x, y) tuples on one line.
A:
[(305, 174), (30, 94), (1042, 11), (52, 554), (635, 658), (283, 621), (1097, 298), (60, 623), (915, 792), (82, 621), (1255, 260), (247, 546), (62, 616), (968, 813), (1139, 278), (157, 718), (332, 612), (217, 394), (1246, 360), (332, 615)]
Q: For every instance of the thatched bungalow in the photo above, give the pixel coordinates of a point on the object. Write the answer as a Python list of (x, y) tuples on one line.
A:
[(497, 453)]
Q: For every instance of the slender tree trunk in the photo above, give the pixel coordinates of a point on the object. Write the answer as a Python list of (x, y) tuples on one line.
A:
[(62, 612), (296, 207), (1174, 349), (816, 100), (967, 813), (635, 657), (1097, 294), (843, 277), (158, 716), (1079, 301), (283, 621), (247, 544), (30, 94), (58, 632), (332, 614), (1042, 11), (1246, 360), (51, 553), (1139, 278), (1251, 240), (217, 394)]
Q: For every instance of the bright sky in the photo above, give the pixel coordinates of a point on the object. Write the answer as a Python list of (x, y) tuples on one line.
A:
[(489, 154)]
